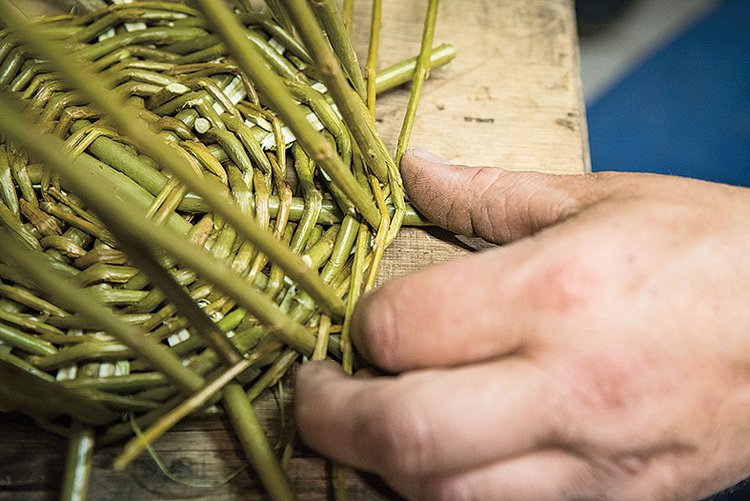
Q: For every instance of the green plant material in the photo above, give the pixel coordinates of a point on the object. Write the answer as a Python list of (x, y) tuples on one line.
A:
[(25, 392), (78, 463), (371, 69), (351, 106), (273, 375), (255, 444), (420, 75), (79, 300), (347, 15), (139, 444), (400, 73), (333, 23), (315, 145), (294, 333), (188, 196), (80, 76)]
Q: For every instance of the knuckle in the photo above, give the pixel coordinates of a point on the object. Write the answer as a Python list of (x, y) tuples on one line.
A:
[(562, 285), (482, 217), (510, 205)]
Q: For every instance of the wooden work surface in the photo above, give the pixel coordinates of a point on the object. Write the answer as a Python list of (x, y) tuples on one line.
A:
[(512, 98)]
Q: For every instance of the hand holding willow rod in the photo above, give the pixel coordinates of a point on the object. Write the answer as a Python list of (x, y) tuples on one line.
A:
[(601, 353)]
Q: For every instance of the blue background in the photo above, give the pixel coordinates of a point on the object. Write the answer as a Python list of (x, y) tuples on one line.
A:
[(685, 110)]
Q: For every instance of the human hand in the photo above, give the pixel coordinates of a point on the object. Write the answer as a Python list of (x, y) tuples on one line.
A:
[(602, 353)]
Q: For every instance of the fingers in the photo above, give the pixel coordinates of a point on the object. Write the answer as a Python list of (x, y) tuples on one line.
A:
[(552, 474), (495, 204), (446, 315), (397, 426)]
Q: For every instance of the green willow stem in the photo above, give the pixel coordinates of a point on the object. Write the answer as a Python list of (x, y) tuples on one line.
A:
[(400, 73), (371, 69), (280, 15), (273, 374), (20, 340), (78, 463), (321, 342), (347, 15), (142, 255), (255, 444), (80, 76), (333, 24), (130, 383), (355, 289), (352, 108), (80, 301), (119, 212), (275, 91), (340, 491), (24, 391), (140, 443), (420, 74)]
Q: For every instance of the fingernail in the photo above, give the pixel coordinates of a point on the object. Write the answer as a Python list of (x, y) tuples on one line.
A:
[(430, 157)]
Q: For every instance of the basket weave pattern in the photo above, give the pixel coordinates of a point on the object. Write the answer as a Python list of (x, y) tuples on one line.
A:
[(168, 64)]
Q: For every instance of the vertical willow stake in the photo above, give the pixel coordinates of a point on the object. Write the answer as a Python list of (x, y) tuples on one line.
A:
[(371, 73), (347, 15), (371, 70), (255, 444), (422, 70), (78, 463), (420, 74)]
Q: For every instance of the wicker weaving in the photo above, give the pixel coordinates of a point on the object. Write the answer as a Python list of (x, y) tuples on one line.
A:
[(173, 229)]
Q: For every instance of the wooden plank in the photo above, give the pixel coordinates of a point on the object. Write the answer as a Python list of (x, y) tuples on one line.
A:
[(512, 98)]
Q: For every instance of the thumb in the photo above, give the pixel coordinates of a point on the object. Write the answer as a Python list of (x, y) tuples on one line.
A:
[(489, 202)]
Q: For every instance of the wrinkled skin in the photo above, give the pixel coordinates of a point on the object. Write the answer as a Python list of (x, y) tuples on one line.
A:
[(602, 352)]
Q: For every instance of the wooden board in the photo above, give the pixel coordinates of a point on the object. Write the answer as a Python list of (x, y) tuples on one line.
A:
[(512, 98)]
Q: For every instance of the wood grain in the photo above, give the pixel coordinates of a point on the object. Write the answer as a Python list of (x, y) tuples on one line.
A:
[(512, 98)]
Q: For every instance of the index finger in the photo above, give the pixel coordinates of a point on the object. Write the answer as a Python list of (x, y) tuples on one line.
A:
[(427, 422)]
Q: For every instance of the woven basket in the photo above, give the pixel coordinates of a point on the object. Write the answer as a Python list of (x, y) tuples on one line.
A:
[(57, 364)]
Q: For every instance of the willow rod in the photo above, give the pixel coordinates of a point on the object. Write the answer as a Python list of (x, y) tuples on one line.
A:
[(371, 69), (82, 301), (273, 88), (352, 108), (255, 444), (78, 463), (79, 74), (141, 442), (420, 74), (341, 42), (119, 214)]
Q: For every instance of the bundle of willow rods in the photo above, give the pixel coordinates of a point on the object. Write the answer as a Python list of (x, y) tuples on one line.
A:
[(192, 199)]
